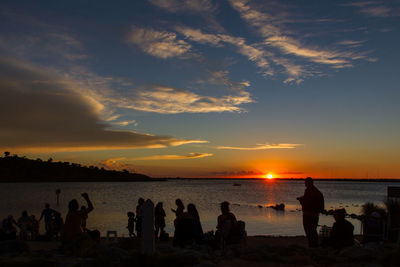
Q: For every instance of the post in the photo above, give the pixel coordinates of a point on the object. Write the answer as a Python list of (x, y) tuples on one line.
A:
[(58, 191), (147, 244)]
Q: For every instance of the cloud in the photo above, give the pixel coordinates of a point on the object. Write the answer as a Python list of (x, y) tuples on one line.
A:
[(42, 111), (167, 100), (372, 8), (270, 26), (205, 8), (254, 54), (262, 147), (160, 44), (174, 157)]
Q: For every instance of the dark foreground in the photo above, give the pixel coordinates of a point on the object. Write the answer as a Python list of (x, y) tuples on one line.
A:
[(258, 251)]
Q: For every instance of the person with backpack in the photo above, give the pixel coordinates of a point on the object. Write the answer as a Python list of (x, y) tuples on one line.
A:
[(312, 204)]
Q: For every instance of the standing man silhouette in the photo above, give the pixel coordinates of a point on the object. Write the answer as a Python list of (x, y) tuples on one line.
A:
[(312, 203)]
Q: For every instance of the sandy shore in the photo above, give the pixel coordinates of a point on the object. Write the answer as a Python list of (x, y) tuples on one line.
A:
[(258, 251)]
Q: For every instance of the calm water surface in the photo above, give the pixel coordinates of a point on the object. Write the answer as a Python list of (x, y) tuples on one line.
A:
[(113, 200)]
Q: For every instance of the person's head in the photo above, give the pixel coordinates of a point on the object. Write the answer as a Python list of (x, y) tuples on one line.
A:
[(141, 201), (225, 207), (191, 208), (73, 205), (179, 202), (159, 205), (309, 182), (47, 206), (339, 214), (24, 213), (130, 214)]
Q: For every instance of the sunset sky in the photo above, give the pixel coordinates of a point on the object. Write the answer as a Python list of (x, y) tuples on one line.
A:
[(202, 88)]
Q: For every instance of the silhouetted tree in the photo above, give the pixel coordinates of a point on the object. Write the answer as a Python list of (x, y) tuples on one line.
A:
[(6, 154)]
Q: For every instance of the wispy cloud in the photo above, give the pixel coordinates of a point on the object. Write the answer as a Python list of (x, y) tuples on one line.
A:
[(372, 8), (160, 44), (254, 54), (167, 100), (262, 147), (174, 157), (271, 28), (42, 111)]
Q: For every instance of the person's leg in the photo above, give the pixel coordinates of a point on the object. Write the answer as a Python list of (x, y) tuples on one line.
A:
[(310, 224)]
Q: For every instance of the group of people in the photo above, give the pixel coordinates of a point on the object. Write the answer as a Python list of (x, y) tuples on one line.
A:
[(312, 203), (29, 226), (187, 223), (188, 229)]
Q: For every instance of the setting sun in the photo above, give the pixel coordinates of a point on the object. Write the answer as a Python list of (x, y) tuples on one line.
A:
[(269, 176)]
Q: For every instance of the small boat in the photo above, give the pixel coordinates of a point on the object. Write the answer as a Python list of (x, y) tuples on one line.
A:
[(236, 184)]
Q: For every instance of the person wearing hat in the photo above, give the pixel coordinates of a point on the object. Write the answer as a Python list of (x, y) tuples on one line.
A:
[(312, 203)]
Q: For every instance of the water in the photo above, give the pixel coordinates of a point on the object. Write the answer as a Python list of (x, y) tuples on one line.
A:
[(113, 200)]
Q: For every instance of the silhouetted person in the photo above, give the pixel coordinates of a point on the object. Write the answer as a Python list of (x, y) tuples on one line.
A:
[(57, 224), (342, 231), (131, 223), (226, 223), (159, 218), (139, 217), (48, 214), (196, 228), (184, 229), (26, 225), (179, 207), (9, 231), (73, 222), (312, 203)]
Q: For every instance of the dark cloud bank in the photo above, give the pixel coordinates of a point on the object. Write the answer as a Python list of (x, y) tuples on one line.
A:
[(40, 110)]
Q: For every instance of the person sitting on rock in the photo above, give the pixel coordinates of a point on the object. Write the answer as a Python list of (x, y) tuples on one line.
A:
[(341, 234)]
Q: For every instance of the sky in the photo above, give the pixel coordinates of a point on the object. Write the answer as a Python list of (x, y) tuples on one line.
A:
[(202, 88)]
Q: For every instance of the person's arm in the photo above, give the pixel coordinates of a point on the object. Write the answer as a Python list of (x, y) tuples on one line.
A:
[(89, 203)]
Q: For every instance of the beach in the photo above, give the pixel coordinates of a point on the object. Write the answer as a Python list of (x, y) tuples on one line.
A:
[(257, 251)]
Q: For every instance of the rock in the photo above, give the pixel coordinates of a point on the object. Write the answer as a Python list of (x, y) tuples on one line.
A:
[(13, 247)]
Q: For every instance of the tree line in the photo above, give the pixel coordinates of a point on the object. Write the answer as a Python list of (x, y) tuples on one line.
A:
[(21, 169)]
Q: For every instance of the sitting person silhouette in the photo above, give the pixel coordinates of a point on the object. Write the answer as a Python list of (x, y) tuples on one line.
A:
[(342, 231), (72, 233), (188, 227), (197, 230), (226, 224)]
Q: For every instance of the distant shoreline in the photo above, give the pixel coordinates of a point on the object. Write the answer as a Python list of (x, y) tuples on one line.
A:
[(297, 179), (119, 180)]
